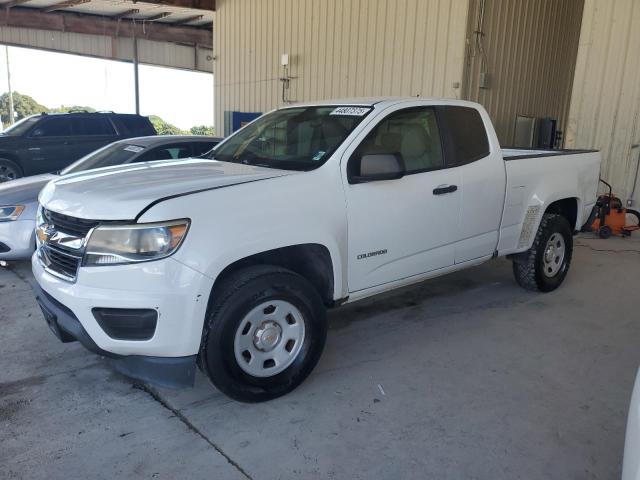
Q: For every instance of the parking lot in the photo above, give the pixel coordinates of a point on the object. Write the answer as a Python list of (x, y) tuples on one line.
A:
[(466, 376)]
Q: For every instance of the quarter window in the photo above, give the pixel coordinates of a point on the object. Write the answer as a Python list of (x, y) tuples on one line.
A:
[(466, 139), (411, 133)]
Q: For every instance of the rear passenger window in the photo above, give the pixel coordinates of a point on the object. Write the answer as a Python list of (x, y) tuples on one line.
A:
[(52, 127), (200, 148), (92, 126), (466, 138), (412, 133), (168, 152)]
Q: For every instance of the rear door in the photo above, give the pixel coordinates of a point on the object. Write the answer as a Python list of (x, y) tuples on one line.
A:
[(90, 132), (482, 180), (401, 228)]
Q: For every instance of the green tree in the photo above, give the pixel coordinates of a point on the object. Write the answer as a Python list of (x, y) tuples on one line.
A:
[(202, 130), (23, 105), (164, 128), (74, 108)]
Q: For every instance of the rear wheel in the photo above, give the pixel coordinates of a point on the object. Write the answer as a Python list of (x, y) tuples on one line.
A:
[(9, 170), (545, 265), (264, 333)]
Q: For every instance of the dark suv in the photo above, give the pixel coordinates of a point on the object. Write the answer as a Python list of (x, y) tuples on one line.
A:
[(49, 142)]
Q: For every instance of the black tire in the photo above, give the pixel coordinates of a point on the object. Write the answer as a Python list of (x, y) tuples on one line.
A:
[(9, 170), (529, 267), (605, 232), (238, 294)]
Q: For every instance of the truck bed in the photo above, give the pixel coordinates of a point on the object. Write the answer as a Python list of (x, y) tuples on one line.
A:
[(535, 179)]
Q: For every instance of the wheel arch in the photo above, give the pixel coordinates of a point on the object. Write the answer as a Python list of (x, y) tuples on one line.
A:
[(12, 157), (567, 207), (312, 261)]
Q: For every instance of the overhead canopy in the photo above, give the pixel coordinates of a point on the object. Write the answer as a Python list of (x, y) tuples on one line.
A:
[(173, 33)]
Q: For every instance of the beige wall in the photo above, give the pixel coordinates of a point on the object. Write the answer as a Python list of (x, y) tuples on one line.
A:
[(605, 105), (338, 48), (531, 49)]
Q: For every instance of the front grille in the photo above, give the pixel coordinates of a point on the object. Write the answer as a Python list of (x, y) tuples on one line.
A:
[(64, 223), (61, 262), (61, 245)]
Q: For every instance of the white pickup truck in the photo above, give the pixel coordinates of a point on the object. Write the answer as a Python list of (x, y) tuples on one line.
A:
[(230, 264)]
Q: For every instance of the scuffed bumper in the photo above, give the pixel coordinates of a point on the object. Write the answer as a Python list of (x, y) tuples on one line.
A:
[(178, 293), (19, 238)]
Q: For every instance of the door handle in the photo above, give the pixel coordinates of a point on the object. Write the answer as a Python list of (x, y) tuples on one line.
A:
[(441, 190)]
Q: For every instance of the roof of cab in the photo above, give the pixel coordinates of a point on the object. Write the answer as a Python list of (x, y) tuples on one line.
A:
[(378, 101)]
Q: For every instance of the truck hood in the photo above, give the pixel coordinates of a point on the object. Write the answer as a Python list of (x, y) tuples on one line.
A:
[(122, 192), (23, 190)]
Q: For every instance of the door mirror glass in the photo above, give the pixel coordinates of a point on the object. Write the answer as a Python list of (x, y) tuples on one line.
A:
[(379, 166)]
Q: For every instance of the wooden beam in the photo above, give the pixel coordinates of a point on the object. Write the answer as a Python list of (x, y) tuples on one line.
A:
[(193, 18), (195, 4), (126, 13), (105, 26), (157, 16), (13, 3), (61, 5)]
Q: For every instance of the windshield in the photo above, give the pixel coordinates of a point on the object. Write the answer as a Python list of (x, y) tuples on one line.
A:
[(301, 138), (113, 154), (21, 126)]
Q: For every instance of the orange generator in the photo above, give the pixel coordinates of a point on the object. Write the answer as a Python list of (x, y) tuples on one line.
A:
[(609, 217)]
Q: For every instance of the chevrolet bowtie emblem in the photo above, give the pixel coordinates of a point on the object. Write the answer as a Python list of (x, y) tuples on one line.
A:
[(44, 232)]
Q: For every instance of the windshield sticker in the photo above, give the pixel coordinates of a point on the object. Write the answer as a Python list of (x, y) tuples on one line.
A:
[(319, 155), (351, 111), (133, 148)]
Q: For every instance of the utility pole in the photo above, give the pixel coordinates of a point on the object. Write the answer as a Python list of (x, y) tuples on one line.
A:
[(11, 114), (136, 81)]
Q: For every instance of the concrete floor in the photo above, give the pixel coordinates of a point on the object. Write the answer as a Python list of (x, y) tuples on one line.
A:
[(467, 376)]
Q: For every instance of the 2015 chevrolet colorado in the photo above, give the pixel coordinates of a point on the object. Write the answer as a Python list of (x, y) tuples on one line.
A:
[(231, 264)]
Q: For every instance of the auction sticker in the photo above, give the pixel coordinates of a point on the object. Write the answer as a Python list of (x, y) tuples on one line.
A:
[(133, 148), (351, 111)]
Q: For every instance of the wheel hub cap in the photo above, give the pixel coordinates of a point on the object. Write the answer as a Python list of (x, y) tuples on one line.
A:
[(267, 336), (553, 258)]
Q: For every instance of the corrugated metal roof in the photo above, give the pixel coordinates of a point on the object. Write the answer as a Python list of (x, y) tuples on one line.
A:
[(114, 8)]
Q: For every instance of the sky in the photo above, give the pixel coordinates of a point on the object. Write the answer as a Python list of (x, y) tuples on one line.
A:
[(180, 97)]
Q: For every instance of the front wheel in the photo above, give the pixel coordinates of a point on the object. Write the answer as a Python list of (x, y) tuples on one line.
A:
[(264, 333), (545, 265), (9, 170)]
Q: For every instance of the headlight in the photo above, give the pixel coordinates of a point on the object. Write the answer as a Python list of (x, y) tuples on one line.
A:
[(117, 245), (10, 212)]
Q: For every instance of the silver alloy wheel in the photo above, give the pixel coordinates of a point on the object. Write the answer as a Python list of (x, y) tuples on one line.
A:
[(7, 173), (269, 338), (553, 258)]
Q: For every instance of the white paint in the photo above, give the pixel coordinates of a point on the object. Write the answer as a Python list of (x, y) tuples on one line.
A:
[(241, 210)]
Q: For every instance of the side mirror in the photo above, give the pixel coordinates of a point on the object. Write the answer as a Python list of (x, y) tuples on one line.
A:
[(377, 167)]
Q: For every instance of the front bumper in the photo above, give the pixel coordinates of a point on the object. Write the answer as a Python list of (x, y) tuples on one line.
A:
[(178, 293), (162, 371), (19, 237)]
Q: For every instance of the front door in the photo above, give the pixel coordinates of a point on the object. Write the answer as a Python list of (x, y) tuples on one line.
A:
[(401, 228), (48, 147)]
